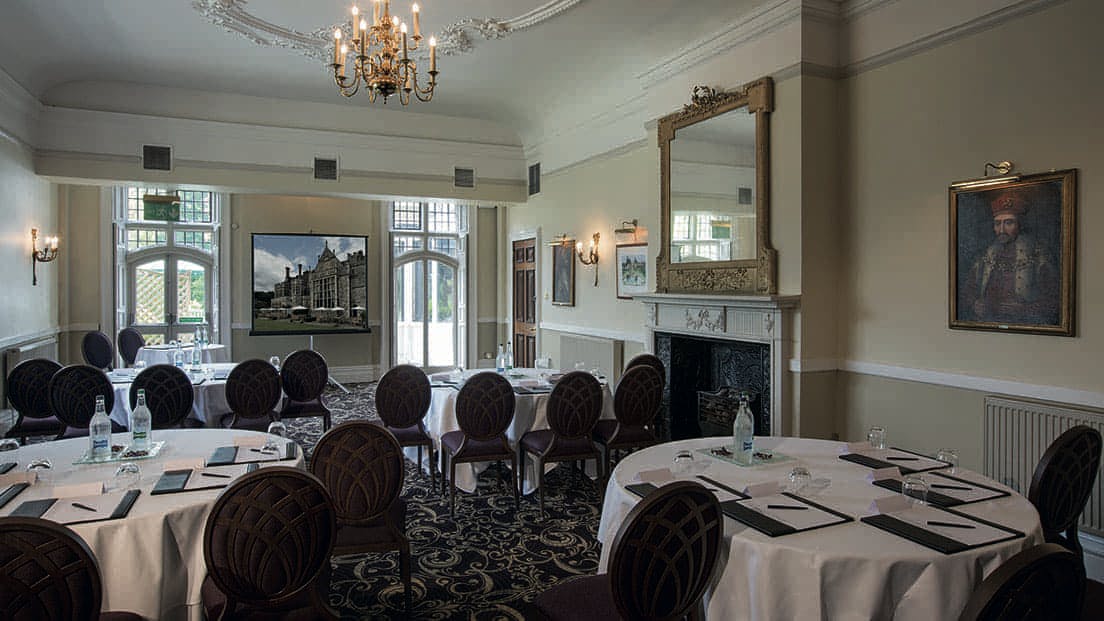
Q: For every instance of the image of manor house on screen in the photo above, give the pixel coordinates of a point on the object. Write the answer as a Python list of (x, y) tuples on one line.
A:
[(329, 296)]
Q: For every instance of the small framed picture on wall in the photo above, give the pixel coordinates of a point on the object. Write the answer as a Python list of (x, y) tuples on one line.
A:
[(632, 270), (563, 273)]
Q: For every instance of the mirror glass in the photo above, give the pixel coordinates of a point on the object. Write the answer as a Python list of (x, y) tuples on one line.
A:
[(713, 193)]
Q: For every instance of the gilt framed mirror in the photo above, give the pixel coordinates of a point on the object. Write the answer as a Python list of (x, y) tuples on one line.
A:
[(715, 194)]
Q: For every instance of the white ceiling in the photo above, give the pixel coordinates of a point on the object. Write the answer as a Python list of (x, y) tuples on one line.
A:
[(590, 50)]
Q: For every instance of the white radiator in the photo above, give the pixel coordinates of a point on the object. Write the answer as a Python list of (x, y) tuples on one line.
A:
[(43, 347), (1018, 432)]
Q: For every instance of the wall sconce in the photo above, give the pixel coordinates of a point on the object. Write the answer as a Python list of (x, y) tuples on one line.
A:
[(1004, 169), (48, 253), (628, 227), (591, 257)]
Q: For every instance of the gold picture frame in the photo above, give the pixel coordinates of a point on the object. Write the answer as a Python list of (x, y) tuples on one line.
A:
[(563, 273)]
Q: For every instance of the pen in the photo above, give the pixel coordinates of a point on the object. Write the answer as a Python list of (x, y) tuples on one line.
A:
[(951, 524), (217, 476), (904, 458), (85, 507), (941, 486), (787, 507)]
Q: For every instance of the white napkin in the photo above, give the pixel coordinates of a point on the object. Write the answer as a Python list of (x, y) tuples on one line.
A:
[(766, 488), (892, 472), (855, 447), (77, 489), (183, 463), (890, 504), (657, 477), (15, 478), (249, 441)]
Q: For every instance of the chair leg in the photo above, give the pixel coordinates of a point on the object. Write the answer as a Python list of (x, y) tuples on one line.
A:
[(419, 458), (521, 479), (404, 574), (432, 467), (514, 472), (452, 486), (540, 484)]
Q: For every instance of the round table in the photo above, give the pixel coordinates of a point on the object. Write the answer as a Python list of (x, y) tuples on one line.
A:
[(151, 560), (847, 571), (208, 406), (162, 354)]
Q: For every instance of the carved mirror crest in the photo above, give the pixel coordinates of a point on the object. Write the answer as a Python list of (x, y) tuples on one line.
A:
[(715, 194)]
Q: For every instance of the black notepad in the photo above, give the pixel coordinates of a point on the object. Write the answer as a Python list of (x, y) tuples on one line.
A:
[(874, 462), (934, 540), (175, 481), (37, 508), (934, 497), (6, 467), (226, 455), (531, 390), (12, 491), (737, 510)]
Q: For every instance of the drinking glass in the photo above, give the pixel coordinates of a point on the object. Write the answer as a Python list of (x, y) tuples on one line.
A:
[(683, 462), (951, 457), (596, 371), (799, 478), (43, 469), (139, 365), (276, 429), (877, 437), (916, 489), (9, 444), (127, 476), (580, 366), (275, 361)]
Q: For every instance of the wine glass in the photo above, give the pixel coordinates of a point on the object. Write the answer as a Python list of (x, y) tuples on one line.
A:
[(916, 489), (9, 444), (799, 478), (127, 476), (275, 361), (276, 429), (683, 462), (42, 469), (951, 457)]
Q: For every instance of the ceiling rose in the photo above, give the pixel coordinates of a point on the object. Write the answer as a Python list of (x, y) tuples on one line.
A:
[(454, 39)]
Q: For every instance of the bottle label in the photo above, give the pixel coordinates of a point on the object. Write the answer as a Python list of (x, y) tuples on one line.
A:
[(748, 445), (140, 435), (100, 444)]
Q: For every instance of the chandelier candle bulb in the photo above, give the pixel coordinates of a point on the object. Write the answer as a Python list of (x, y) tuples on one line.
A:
[(375, 11), (357, 22), (337, 47), (432, 54), (417, 23)]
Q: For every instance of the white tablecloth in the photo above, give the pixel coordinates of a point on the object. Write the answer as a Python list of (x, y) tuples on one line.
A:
[(152, 560), (210, 396), (530, 414), (162, 354), (850, 571)]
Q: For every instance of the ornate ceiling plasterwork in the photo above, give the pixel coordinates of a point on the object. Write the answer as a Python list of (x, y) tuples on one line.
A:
[(317, 44)]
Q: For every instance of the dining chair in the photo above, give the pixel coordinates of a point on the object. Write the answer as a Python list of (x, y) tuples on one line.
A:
[(28, 391), (651, 360), (169, 395), (636, 401), (484, 409), (361, 465), (73, 392), (1062, 482), (130, 340), (48, 573), (252, 392), (267, 544), (303, 376), (573, 408), (660, 562), (402, 401), (97, 350), (1043, 582)]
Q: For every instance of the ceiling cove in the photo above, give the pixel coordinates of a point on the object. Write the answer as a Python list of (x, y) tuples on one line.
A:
[(454, 39)]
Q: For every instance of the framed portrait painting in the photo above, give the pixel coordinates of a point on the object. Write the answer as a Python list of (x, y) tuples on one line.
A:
[(632, 270), (563, 273), (1012, 254)]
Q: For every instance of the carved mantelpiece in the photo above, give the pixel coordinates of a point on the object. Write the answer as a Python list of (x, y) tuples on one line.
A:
[(766, 319)]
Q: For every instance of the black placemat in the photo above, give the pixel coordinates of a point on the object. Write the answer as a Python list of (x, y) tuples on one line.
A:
[(873, 462), (933, 540), (767, 525), (718, 484), (6, 467), (174, 481), (935, 498), (531, 390), (13, 490), (36, 508), (226, 455)]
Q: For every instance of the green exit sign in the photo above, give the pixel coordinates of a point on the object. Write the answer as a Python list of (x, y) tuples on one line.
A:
[(165, 208)]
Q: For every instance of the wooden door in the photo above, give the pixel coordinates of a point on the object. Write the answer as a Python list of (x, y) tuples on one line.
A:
[(525, 302)]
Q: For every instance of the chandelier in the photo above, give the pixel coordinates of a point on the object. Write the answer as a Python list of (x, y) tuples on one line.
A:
[(381, 57)]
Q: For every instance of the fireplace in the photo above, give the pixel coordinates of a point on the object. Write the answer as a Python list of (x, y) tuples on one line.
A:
[(713, 342), (696, 402)]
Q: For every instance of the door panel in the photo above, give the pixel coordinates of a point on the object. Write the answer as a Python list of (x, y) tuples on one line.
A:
[(525, 302)]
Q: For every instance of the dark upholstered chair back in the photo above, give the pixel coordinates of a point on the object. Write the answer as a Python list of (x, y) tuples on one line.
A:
[(1062, 482), (268, 537), (485, 406), (97, 350), (402, 396), (169, 394), (664, 555), (638, 396), (73, 392), (1043, 582), (29, 387), (650, 360), (46, 572), (253, 389), (130, 341), (575, 405), (304, 375), (361, 465)]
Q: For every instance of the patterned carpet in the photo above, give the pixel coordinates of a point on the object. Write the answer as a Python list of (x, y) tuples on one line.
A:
[(488, 563)]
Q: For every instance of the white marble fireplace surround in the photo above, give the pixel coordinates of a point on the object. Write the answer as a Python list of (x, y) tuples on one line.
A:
[(764, 319)]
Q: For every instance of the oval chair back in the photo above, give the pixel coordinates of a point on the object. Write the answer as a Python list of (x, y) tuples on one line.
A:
[(1063, 480), (304, 375), (46, 572), (638, 396), (252, 389), (575, 405), (97, 350), (28, 387), (130, 341), (361, 464), (73, 392), (665, 552), (403, 396), (485, 406), (651, 360), (169, 394), (268, 537), (1046, 581)]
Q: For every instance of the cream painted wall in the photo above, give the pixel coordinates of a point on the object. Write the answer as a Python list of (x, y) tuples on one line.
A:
[(28, 202), (252, 213), (915, 125), (485, 264), (81, 294)]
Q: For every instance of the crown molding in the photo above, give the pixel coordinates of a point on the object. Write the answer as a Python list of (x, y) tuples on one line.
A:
[(20, 111), (850, 9)]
